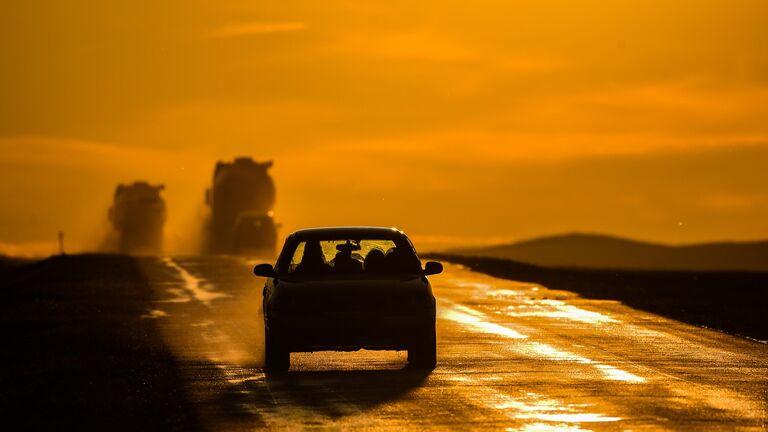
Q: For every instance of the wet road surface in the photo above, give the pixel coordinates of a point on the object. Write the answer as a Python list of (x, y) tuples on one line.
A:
[(511, 356)]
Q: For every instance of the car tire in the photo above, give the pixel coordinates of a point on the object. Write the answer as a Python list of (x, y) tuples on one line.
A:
[(423, 353), (277, 358)]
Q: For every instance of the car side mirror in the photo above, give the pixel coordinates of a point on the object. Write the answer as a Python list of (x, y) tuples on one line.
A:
[(432, 268), (264, 270)]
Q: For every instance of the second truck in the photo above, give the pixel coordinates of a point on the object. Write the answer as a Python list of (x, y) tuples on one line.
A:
[(241, 202)]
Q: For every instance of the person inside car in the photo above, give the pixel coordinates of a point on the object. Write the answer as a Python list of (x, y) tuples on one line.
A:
[(313, 260), (396, 261), (375, 261), (344, 262)]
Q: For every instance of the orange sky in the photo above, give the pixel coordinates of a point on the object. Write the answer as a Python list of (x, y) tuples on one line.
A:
[(458, 121)]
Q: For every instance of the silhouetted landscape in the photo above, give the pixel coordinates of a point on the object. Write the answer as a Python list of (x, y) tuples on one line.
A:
[(222, 215), (609, 252)]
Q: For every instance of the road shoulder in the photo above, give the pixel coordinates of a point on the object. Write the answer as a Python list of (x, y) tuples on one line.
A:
[(82, 349)]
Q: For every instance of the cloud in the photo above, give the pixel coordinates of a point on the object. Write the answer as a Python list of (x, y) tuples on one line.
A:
[(28, 250), (55, 184), (255, 28), (401, 45), (488, 148), (238, 127), (733, 202), (76, 154), (430, 45)]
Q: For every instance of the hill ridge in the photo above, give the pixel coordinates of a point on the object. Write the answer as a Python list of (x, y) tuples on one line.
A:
[(591, 250)]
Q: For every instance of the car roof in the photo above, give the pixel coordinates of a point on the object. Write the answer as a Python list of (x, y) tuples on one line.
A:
[(349, 231)]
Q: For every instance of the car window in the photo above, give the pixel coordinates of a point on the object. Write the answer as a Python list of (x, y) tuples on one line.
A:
[(350, 257)]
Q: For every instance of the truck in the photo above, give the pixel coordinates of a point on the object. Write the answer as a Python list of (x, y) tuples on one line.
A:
[(137, 217), (241, 201)]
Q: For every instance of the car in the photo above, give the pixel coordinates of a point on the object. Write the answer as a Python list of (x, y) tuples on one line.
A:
[(346, 289), (254, 232)]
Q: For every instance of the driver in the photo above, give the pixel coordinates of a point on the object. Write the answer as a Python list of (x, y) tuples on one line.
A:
[(344, 262)]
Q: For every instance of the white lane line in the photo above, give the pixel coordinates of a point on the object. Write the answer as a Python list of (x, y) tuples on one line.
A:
[(557, 309), (154, 314), (547, 413), (195, 287), (525, 306), (477, 321)]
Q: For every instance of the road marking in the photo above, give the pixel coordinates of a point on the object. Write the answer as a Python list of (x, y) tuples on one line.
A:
[(524, 305), (195, 287), (154, 314), (550, 414), (478, 321), (556, 309)]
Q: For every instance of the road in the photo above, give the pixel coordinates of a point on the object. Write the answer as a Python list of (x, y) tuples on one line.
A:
[(511, 356)]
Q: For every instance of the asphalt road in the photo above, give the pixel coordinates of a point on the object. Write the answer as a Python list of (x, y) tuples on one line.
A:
[(511, 356)]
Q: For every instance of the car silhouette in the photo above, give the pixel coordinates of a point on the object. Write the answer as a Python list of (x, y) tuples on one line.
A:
[(345, 289)]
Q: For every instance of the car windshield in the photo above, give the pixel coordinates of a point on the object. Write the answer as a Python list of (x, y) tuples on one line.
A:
[(351, 258)]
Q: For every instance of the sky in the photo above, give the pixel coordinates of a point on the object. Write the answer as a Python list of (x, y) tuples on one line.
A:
[(459, 122)]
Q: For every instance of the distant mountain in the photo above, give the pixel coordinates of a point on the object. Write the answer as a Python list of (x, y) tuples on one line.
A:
[(602, 251)]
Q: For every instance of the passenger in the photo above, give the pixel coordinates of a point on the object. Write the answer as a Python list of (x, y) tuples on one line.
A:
[(397, 261), (313, 260), (375, 262)]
